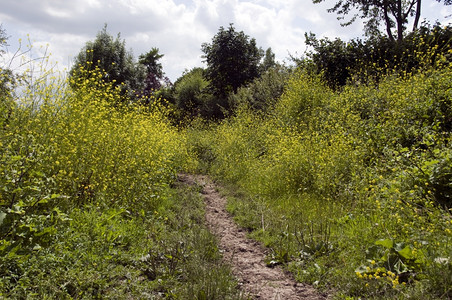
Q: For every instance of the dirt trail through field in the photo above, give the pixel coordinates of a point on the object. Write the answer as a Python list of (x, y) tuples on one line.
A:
[(246, 256)]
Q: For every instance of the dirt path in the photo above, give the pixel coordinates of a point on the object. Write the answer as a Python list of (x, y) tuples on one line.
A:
[(244, 255)]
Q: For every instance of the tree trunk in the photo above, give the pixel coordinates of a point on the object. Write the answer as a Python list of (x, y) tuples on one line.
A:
[(400, 20), (387, 20), (417, 15)]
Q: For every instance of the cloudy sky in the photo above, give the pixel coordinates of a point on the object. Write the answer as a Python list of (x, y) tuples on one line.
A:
[(177, 27)]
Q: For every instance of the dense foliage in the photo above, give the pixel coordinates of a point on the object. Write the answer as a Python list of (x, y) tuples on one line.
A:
[(394, 14), (191, 95), (342, 167), (111, 57), (232, 61), (263, 92), (350, 190), (154, 72), (7, 83), (86, 205), (341, 62)]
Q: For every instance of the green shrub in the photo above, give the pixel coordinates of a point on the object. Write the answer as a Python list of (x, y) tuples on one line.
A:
[(263, 93)]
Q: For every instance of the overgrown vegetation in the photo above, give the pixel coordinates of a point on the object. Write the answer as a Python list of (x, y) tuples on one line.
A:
[(137, 80), (366, 62), (232, 61), (351, 190), (347, 182), (87, 208)]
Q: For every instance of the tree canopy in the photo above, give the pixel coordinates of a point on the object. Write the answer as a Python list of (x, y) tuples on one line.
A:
[(268, 61), (232, 61), (338, 61), (3, 39), (154, 70), (6, 82), (110, 55), (189, 91), (394, 14)]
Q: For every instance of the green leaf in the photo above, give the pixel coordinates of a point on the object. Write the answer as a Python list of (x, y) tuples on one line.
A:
[(48, 230), (406, 252), (400, 267), (387, 243), (16, 158), (373, 251), (432, 162)]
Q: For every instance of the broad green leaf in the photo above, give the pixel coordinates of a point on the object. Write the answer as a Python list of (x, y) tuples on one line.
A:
[(400, 267), (373, 251), (387, 243), (406, 252)]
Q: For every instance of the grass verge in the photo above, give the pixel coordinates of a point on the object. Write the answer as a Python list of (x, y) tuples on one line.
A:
[(112, 253)]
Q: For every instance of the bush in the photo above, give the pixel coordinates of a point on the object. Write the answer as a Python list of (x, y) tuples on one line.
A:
[(190, 93), (263, 93)]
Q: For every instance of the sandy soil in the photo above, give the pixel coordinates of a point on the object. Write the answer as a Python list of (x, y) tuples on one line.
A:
[(246, 256)]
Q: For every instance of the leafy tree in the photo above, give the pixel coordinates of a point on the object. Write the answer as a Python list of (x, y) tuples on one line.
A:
[(110, 55), (330, 58), (338, 61), (268, 61), (150, 61), (154, 71), (232, 61), (395, 14), (190, 91), (264, 91), (3, 40)]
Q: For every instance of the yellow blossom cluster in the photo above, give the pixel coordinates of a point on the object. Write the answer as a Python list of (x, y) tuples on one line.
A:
[(92, 145)]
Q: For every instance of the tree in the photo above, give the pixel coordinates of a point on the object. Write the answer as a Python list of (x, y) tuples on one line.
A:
[(189, 91), (268, 61), (263, 93), (232, 61), (394, 14), (3, 39), (7, 84), (331, 59), (338, 61), (110, 55), (154, 71)]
